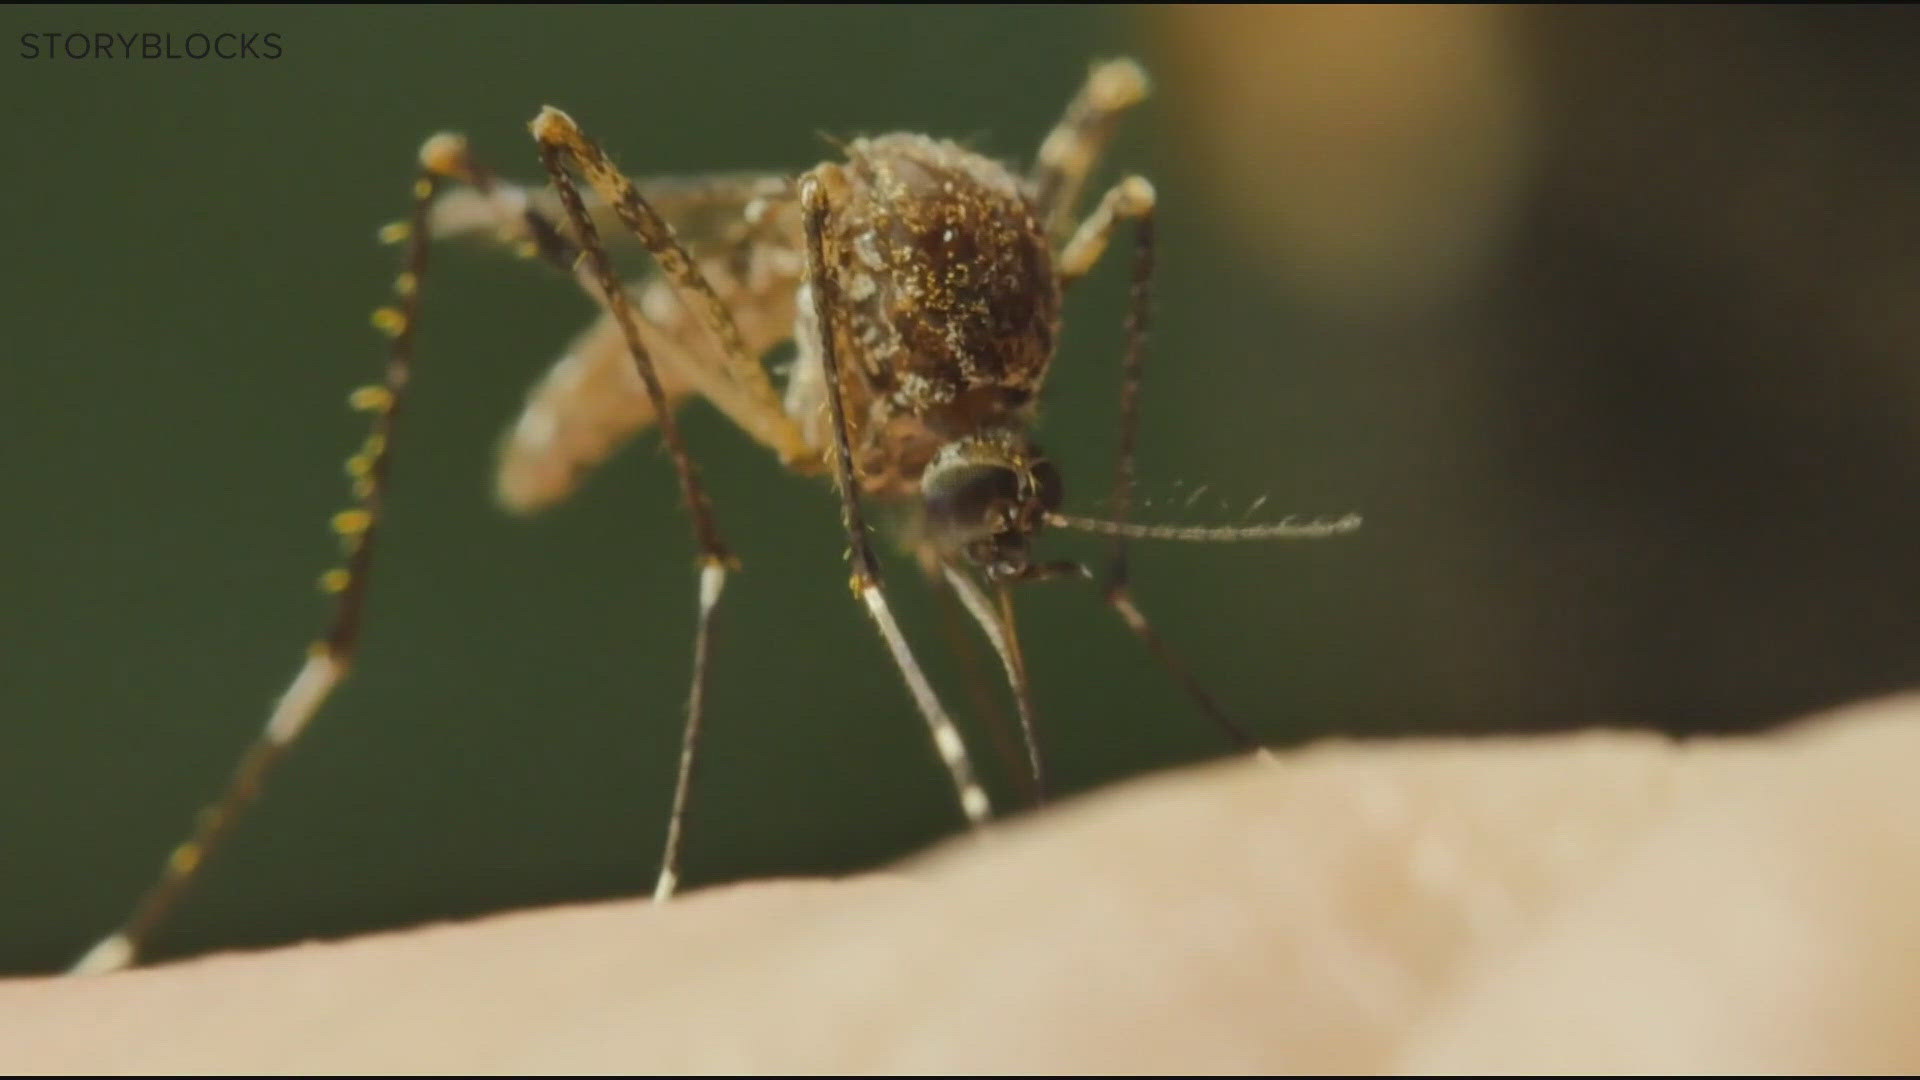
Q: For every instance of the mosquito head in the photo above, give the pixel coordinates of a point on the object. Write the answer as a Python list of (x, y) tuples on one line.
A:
[(985, 497)]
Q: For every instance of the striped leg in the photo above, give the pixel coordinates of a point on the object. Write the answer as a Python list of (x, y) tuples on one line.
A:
[(745, 393), (866, 569), (561, 144), (1133, 199), (702, 322), (1072, 149), (329, 658)]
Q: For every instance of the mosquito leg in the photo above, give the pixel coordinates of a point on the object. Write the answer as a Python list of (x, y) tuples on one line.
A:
[(1120, 598), (1130, 199), (591, 402), (730, 208), (866, 569), (504, 210), (715, 559), (329, 658), (1133, 199), (746, 395), (1072, 149), (704, 321), (999, 630)]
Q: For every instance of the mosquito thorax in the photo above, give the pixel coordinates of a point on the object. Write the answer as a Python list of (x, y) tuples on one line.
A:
[(947, 303), (983, 498)]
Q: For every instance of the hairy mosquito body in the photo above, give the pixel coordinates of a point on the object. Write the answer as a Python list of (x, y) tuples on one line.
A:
[(921, 284)]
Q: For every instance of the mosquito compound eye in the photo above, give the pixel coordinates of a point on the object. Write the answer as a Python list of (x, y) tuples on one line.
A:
[(963, 502), (1047, 486)]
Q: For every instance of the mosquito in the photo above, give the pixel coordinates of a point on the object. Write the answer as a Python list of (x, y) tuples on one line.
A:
[(921, 286)]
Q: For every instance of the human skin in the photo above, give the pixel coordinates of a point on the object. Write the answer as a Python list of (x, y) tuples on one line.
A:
[(1596, 902)]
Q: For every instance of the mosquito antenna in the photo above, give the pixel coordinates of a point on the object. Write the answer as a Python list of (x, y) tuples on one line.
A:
[(1286, 529)]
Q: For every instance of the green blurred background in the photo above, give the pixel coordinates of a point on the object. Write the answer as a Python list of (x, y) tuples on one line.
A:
[(1605, 319)]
